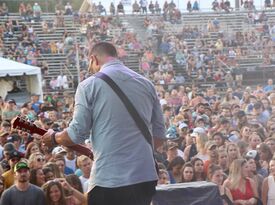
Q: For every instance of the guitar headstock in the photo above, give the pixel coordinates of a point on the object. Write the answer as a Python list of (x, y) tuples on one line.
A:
[(23, 124)]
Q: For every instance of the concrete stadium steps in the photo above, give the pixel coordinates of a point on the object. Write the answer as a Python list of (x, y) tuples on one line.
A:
[(55, 61), (232, 22)]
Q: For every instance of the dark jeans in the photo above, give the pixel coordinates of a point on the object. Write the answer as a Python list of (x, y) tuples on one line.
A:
[(137, 194)]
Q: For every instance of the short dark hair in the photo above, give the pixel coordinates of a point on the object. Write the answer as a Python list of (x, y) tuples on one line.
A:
[(104, 48)]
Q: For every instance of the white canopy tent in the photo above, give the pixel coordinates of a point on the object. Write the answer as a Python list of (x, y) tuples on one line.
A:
[(10, 69)]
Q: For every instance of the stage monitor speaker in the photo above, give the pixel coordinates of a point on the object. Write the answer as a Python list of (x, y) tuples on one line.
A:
[(194, 193)]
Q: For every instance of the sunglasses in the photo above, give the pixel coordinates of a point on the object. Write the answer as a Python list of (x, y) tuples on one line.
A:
[(40, 159)]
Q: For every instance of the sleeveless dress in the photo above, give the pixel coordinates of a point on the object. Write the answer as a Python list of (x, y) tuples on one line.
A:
[(271, 191), (238, 195)]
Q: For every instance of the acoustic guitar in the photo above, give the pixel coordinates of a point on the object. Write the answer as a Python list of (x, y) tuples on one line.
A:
[(26, 126)]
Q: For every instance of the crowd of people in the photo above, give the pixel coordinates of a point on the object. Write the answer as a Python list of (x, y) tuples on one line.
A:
[(206, 59), (227, 139)]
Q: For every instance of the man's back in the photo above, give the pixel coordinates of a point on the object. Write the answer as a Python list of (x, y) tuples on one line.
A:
[(122, 155), (33, 195)]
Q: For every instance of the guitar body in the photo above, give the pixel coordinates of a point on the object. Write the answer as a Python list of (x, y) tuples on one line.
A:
[(26, 126)]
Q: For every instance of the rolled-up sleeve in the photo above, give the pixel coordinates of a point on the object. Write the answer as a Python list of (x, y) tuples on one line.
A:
[(79, 128), (158, 126)]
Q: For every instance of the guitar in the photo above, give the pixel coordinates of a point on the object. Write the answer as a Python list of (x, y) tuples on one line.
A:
[(26, 126)]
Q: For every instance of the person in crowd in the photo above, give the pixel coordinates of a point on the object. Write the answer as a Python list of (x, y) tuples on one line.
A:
[(120, 8), (201, 140), (253, 165), (269, 185), (265, 155), (10, 111), (85, 165), (54, 168), (37, 11), (174, 170), (48, 173), (60, 161), (216, 175), (75, 182), (143, 6), (223, 160), (212, 153), (112, 9), (68, 9), (163, 177), (13, 158), (101, 8), (188, 173), (36, 160), (271, 143), (22, 190), (195, 6), (219, 139), (59, 191), (198, 169), (233, 152), (37, 177), (242, 188), (32, 148), (135, 8)]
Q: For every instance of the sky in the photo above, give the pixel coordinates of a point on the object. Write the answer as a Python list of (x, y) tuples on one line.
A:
[(204, 4)]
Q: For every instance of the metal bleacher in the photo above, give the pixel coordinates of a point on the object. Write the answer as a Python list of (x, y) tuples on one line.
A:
[(229, 23)]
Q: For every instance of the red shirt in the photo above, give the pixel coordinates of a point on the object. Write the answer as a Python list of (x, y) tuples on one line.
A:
[(248, 194)]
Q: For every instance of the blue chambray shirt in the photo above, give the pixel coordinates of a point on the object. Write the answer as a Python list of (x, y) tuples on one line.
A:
[(122, 156)]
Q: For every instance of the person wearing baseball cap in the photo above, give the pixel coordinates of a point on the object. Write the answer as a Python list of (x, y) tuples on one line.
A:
[(212, 152), (23, 190), (13, 157), (10, 112), (20, 165)]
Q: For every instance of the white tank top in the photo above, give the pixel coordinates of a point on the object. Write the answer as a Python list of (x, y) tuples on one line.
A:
[(271, 191)]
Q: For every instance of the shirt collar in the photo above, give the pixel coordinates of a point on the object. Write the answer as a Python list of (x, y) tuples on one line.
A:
[(111, 62)]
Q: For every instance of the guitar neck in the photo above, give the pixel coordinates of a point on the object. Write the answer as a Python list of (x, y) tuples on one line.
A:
[(76, 147)]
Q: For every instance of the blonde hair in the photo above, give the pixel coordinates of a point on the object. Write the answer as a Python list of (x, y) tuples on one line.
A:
[(81, 159), (238, 151), (201, 141), (235, 173), (32, 159)]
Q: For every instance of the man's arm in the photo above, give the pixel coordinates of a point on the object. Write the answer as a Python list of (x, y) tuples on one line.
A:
[(158, 126), (79, 128)]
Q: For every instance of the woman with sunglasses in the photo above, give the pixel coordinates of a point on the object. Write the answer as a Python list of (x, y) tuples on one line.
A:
[(242, 188), (245, 133), (36, 160)]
